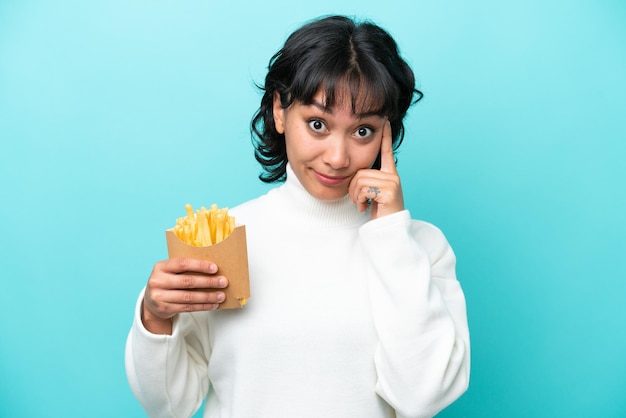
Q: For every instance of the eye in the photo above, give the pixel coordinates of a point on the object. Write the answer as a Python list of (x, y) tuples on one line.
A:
[(317, 125), (364, 132)]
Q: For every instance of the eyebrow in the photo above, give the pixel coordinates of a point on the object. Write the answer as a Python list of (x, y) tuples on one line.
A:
[(329, 109)]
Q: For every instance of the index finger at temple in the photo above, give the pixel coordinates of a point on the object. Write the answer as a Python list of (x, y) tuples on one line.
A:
[(387, 160)]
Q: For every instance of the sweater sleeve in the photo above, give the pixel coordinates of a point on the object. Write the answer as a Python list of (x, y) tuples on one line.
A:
[(423, 357), (168, 373)]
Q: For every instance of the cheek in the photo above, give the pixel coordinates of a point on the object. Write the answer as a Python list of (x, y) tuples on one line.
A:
[(365, 156), (298, 146)]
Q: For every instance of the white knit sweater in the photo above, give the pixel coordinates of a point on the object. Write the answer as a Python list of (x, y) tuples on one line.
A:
[(347, 318)]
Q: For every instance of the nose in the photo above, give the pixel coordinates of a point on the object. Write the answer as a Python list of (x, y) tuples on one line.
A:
[(336, 153)]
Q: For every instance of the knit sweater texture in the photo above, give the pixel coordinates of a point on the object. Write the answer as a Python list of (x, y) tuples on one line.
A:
[(348, 317)]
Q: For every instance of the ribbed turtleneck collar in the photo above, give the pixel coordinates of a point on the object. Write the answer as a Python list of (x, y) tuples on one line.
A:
[(298, 205)]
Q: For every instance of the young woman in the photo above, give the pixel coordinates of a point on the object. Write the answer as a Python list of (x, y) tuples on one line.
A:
[(355, 308)]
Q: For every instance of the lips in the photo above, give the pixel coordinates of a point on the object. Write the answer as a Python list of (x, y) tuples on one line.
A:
[(330, 180)]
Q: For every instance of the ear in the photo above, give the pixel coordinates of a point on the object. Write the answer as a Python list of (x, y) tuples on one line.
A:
[(279, 114)]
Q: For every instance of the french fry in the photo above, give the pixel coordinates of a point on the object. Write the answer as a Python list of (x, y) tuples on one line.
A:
[(231, 225), (219, 227), (212, 221), (204, 233), (204, 227)]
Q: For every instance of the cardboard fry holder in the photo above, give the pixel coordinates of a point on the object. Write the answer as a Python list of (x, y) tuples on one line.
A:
[(231, 257)]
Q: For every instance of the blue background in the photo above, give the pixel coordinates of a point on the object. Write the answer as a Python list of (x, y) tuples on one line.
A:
[(114, 114)]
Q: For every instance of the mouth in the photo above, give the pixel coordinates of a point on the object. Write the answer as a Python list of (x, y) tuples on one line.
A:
[(328, 180)]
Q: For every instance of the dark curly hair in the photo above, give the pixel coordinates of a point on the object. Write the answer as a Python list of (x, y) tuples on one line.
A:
[(333, 53)]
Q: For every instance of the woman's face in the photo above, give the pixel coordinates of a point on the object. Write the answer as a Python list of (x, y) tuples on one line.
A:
[(327, 146)]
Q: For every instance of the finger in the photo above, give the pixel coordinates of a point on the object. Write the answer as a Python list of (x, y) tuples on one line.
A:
[(371, 194), (382, 193), (195, 307), (196, 281), (354, 190), (167, 303), (168, 310), (193, 297), (367, 196), (362, 178), (185, 264), (162, 279), (387, 160), (362, 204)]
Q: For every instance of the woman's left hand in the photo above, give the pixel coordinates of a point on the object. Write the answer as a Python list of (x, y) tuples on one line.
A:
[(380, 189)]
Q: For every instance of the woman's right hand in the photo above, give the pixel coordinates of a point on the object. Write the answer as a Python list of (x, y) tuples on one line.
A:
[(180, 285)]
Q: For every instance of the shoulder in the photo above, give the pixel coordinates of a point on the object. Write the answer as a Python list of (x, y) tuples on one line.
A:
[(253, 208)]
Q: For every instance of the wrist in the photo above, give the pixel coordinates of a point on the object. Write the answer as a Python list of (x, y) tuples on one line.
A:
[(155, 324)]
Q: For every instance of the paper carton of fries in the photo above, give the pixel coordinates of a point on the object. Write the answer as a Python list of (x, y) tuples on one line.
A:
[(212, 235)]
